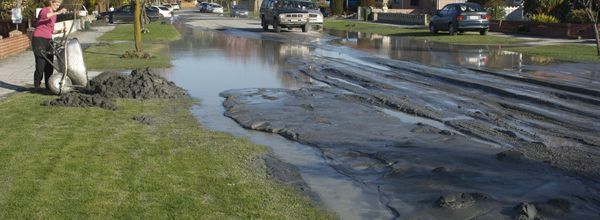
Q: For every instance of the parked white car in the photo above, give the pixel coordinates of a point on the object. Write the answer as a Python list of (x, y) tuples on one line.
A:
[(164, 11), (175, 6), (215, 8)]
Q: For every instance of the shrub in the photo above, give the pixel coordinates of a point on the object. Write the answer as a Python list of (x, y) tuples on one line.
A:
[(497, 12), (578, 16), (544, 18)]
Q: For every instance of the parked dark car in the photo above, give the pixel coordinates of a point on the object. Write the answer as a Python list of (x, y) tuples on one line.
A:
[(460, 17), (238, 11), (125, 14), (203, 7)]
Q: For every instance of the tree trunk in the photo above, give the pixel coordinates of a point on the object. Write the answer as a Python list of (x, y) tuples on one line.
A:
[(597, 39), (137, 26)]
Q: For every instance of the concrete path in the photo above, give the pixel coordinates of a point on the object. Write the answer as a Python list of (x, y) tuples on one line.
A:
[(16, 72)]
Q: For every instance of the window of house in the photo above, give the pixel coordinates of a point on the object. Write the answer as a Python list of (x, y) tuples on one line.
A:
[(414, 2)]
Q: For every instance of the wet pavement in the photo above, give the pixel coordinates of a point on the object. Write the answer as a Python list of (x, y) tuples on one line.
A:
[(385, 128)]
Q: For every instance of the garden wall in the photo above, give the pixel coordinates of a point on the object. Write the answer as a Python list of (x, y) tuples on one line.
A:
[(16, 42), (560, 30)]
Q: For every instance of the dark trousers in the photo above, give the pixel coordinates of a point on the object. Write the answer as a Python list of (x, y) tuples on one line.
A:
[(41, 47)]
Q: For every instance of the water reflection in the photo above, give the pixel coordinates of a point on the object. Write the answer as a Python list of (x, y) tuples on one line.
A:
[(232, 62), (432, 53)]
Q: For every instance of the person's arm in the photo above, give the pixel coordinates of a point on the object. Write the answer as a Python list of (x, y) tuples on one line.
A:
[(61, 11), (47, 15)]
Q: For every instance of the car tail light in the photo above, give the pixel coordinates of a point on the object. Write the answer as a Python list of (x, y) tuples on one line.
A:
[(486, 17), (460, 17)]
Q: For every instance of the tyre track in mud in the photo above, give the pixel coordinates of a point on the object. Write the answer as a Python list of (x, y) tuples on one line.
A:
[(541, 125)]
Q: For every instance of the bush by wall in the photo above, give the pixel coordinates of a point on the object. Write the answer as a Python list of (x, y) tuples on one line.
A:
[(578, 16), (544, 18)]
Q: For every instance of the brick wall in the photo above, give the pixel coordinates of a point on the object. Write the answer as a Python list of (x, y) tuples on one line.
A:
[(15, 43)]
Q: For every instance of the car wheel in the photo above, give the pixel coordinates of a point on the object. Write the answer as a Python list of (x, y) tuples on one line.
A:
[(264, 24), (276, 26), (451, 30), (483, 31), (432, 29), (305, 28)]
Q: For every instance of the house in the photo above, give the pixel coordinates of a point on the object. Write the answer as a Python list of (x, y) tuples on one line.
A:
[(421, 6)]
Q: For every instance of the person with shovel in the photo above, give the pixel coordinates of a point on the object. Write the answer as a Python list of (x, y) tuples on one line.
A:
[(40, 42)]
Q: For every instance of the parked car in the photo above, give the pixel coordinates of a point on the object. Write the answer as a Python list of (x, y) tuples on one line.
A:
[(460, 17), (125, 14), (203, 7), (168, 6), (315, 15), (175, 6), (215, 8), (238, 11), (284, 14), (164, 11)]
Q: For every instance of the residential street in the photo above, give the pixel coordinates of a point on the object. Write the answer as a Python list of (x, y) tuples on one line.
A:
[(413, 129), (365, 125)]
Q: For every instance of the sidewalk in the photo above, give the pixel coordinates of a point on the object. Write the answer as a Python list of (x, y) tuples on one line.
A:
[(16, 72)]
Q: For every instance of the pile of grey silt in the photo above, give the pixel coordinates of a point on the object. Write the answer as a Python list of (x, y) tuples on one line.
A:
[(140, 84)]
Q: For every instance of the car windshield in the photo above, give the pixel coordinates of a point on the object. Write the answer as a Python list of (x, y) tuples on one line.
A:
[(309, 5), (163, 8), (291, 4), (470, 8)]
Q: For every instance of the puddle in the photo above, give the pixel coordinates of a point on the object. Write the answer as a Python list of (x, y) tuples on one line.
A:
[(477, 56)]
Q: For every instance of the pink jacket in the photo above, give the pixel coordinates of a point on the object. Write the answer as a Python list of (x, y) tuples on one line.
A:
[(44, 26)]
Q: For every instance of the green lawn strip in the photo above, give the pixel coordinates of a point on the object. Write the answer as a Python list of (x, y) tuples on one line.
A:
[(567, 52), (472, 38), (108, 56), (74, 163), (158, 32)]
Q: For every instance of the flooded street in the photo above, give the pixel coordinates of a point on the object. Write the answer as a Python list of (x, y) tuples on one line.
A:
[(383, 128)]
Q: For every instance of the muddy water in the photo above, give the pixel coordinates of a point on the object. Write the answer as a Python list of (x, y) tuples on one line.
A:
[(207, 63)]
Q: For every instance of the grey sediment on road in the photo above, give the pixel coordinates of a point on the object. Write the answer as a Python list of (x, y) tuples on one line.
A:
[(288, 175), (414, 165)]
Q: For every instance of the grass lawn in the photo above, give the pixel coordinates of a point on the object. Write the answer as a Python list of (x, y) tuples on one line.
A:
[(568, 52), (158, 32), (466, 38), (108, 56), (80, 163)]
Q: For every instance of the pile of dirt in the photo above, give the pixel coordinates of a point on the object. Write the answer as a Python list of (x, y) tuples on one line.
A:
[(82, 100), (140, 84), (459, 200)]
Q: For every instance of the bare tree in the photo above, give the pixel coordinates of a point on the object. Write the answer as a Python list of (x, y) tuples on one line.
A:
[(137, 26), (589, 6)]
